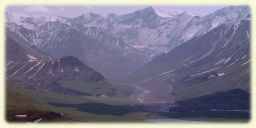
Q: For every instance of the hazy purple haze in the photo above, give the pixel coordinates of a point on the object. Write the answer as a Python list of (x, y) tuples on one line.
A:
[(73, 11)]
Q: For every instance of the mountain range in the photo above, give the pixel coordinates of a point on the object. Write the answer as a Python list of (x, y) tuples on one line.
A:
[(165, 61), (109, 42)]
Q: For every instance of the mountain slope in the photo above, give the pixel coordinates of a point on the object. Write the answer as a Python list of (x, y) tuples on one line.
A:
[(216, 61), (30, 68), (92, 45)]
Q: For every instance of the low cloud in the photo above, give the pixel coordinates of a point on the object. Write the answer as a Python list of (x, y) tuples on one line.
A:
[(37, 8), (19, 14)]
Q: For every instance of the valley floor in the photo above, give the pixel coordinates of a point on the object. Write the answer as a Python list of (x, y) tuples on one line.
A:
[(24, 105)]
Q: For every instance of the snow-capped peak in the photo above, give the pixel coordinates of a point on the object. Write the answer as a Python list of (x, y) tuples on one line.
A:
[(90, 15), (19, 19), (174, 12), (15, 18), (51, 18), (31, 22), (170, 12), (162, 13), (45, 19), (185, 13)]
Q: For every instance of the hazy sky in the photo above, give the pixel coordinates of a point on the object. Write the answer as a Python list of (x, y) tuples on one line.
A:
[(73, 11)]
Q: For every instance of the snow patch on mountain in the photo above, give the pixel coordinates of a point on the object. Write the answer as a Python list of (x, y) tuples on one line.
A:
[(18, 20), (31, 58), (196, 74), (168, 72), (169, 14)]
